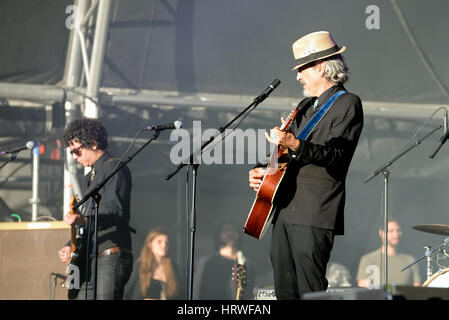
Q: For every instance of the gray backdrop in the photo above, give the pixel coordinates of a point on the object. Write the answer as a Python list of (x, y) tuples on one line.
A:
[(190, 53)]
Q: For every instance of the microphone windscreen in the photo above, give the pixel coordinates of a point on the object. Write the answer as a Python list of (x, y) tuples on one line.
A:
[(178, 124), (30, 145)]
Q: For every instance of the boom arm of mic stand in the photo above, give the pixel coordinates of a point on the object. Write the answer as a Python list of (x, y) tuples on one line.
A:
[(430, 253), (390, 162), (12, 158), (221, 130), (443, 140), (124, 163)]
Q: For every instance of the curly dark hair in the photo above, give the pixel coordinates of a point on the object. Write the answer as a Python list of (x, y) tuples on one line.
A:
[(88, 132)]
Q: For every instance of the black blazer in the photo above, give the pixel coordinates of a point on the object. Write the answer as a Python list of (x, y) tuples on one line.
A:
[(114, 209), (312, 192)]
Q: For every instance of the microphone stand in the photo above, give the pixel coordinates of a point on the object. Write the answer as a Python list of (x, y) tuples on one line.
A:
[(428, 257), (95, 195), (386, 173), (194, 166)]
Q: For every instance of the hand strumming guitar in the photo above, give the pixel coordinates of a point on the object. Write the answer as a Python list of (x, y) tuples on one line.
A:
[(65, 254)]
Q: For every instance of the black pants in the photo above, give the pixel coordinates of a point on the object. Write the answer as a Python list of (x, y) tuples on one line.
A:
[(113, 271), (299, 255)]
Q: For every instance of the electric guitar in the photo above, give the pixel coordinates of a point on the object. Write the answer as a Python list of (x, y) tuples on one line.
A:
[(78, 254), (239, 275), (261, 212)]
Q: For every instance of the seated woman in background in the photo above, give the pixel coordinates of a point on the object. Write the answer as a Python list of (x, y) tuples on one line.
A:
[(154, 274)]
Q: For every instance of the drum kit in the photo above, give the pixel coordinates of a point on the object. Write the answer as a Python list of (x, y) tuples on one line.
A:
[(439, 279)]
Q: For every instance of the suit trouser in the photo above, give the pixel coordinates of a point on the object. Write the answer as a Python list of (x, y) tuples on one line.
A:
[(299, 256)]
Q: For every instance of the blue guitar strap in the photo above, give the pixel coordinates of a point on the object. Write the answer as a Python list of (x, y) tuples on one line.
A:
[(318, 116)]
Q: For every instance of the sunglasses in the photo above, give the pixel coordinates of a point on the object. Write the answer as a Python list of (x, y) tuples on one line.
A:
[(77, 151), (306, 66)]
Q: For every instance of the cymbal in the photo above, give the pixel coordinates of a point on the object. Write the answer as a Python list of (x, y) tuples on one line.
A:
[(441, 229)]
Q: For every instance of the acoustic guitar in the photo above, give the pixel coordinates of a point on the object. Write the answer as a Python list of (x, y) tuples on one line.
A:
[(78, 255), (261, 214)]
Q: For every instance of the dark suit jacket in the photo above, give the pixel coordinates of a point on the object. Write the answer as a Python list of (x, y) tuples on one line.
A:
[(114, 209), (312, 192)]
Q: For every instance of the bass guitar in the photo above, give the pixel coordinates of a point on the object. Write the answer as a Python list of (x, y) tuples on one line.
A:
[(261, 214)]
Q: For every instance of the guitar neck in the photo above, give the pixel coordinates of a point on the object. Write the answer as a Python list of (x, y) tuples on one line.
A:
[(73, 230), (239, 295), (288, 122)]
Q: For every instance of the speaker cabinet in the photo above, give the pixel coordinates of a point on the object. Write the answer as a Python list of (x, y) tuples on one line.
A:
[(29, 260)]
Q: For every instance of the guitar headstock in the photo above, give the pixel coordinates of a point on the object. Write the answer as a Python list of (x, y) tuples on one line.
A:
[(289, 120), (239, 275), (73, 202)]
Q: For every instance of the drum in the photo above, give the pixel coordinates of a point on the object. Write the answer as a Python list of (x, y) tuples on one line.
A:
[(439, 279)]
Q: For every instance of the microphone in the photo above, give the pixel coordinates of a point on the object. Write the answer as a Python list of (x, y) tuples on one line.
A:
[(444, 138), (267, 91), (445, 122), (175, 125), (29, 145)]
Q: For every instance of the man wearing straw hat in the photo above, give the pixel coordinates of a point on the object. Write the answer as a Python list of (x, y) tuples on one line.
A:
[(309, 203)]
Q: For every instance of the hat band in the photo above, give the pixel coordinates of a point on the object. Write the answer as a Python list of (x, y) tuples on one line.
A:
[(317, 55)]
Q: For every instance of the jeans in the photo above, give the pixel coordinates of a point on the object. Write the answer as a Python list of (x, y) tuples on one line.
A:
[(113, 271)]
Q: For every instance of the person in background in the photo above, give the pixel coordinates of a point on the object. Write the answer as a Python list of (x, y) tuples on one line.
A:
[(370, 266), (338, 275), (216, 274), (155, 276)]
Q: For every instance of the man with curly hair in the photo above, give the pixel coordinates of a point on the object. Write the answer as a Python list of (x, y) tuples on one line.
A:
[(87, 140)]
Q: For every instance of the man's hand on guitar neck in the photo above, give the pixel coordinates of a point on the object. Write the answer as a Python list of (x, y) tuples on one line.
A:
[(75, 219), (282, 139)]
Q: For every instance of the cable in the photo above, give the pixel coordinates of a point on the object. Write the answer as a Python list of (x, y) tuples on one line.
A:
[(129, 148), (421, 128), (418, 48)]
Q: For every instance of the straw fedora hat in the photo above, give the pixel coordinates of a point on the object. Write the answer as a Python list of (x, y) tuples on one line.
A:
[(314, 46)]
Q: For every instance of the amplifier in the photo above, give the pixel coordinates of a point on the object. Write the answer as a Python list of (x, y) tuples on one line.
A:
[(29, 263)]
